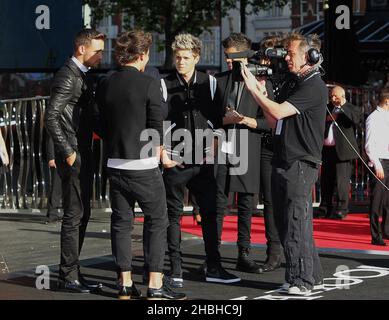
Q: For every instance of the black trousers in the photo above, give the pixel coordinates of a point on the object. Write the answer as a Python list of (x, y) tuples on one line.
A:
[(72, 229), (245, 207), (379, 205), (86, 185), (200, 180), (147, 188), (292, 200), (335, 172), (55, 194), (273, 250)]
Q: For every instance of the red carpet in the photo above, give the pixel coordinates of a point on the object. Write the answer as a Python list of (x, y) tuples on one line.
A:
[(351, 233)]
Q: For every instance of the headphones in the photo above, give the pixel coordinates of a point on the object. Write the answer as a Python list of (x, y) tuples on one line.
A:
[(313, 55)]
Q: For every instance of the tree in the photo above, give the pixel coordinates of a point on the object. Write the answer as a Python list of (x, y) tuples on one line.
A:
[(255, 5), (169, 17)]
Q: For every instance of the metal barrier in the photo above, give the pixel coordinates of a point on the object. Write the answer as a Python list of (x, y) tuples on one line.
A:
[(24, 184)]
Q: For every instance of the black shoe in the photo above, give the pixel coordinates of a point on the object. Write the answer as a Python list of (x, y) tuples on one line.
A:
[(202, 269), (127, 293), (164, 293), (378, 242), (72, 286), (220, 275), (269, 266), (245, 264), (339, 215), (174, 282), (92, 285)]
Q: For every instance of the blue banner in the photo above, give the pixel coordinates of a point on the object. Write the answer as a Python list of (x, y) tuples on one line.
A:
[(38, 34)]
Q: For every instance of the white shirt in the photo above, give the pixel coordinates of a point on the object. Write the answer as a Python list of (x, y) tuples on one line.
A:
[(377, 137), (138, 164), (80, 65)]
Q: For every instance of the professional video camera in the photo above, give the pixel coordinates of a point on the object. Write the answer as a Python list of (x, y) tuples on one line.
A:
[(268, 62)]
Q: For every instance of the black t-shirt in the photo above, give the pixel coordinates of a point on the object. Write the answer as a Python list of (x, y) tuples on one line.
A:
[(300, 137)]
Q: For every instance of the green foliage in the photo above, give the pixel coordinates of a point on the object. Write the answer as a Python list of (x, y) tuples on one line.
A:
[(171, 17)]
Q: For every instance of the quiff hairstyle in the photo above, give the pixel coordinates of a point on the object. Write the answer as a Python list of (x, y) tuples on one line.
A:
[(186, 41), (238, 41), (85, 37), (131, 45)]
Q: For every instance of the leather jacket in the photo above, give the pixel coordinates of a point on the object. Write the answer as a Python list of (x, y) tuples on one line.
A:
[(70, 96)]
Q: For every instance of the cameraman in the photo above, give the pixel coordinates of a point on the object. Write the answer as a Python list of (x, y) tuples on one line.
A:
[(299, 133)]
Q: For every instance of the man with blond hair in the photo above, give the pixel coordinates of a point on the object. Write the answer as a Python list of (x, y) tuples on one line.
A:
[(190, 98)]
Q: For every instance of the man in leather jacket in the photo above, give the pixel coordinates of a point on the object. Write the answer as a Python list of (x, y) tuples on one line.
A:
[(66, 119)]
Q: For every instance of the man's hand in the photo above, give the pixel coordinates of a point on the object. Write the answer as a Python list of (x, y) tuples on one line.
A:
[(52, 164), (249, 79), (380, 173), (71, 159), (232, 117), (167, 163)]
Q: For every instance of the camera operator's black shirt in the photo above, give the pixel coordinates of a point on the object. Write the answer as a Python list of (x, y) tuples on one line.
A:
[(300, 137)]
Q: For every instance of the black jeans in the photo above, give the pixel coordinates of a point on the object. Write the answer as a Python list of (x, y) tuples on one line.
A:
[(200, 180), (72, 229), (55, 194), (379, 205), (146, 187), (292, 200), (245, 207), (273, 250), (335, 172)]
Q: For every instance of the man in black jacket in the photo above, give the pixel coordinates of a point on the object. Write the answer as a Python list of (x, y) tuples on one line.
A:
[(67, 117), (241, 113), (130, 104), (190, 97), (338, 153)]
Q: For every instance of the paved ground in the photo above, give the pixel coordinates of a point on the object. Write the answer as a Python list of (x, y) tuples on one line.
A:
[(26, 243)]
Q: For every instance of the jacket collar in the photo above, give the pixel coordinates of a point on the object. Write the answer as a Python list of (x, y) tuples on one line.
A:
[(76, 70)]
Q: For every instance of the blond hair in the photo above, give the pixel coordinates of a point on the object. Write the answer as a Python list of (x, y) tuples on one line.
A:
[(186, 41)]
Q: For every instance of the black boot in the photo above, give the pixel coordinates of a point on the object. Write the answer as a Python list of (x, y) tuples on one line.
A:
[(245, 264), (272, 263)]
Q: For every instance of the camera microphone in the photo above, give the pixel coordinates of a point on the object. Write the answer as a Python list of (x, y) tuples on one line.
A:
[(275, 52)]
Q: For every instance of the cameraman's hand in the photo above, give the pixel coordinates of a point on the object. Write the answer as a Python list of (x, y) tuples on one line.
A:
[(249, 79)]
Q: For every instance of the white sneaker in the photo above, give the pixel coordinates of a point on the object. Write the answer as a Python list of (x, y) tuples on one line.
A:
[(285, 287), (298, 291)]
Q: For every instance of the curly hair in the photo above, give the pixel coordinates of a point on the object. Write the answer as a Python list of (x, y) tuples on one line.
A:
[(131, 45), (186, 41)]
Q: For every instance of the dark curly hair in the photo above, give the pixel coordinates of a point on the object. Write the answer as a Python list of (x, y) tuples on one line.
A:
[(130, 45)]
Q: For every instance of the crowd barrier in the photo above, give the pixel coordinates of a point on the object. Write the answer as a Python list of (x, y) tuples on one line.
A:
[(24, 184)]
